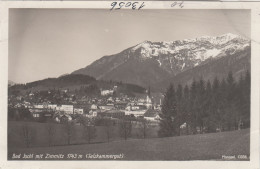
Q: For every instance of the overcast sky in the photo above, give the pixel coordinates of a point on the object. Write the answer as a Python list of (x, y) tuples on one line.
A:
[(50, 42)]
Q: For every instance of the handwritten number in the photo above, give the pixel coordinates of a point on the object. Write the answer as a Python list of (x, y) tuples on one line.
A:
[(141, 6), (176, 3), (173, 4), (121, 4), (133, 5), (113, 5), (181, 4), (128, 4)]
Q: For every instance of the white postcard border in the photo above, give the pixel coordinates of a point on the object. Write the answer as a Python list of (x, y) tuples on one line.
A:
[(255, 74)]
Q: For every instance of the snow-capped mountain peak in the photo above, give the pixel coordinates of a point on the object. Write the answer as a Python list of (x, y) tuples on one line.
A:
[(194, 51)]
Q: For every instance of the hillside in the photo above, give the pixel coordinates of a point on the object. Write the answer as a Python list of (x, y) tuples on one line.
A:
[(75, 82), (60, 82), (152, 63)]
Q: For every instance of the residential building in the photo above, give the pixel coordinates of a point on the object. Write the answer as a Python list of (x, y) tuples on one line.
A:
[(78, 111)]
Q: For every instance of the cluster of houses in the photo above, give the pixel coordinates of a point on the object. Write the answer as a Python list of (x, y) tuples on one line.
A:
[(142, 107), (58, 112), (105, 106), (67, 109), (133, 108)]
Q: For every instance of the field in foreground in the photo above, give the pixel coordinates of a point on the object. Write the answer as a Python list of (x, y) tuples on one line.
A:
[(192, 147)]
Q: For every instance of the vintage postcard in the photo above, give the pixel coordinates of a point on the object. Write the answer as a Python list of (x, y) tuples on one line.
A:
[(143, 84)]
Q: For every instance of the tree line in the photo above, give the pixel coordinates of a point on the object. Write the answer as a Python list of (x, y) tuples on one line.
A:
[(205, 106)]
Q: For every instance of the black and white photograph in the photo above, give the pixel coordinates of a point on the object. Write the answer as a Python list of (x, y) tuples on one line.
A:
[(125, 85)]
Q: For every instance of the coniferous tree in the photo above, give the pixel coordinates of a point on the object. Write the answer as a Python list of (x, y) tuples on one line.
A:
[(223, 104), (232, 117), (208, 109), (240, 103), (243, 103), (179, 107), (193, 106), (186, 106), (168, 114), (201, 106), (247, 95), (216, 116)]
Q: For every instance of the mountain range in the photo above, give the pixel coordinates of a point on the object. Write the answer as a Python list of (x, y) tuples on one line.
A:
[(156, 64)]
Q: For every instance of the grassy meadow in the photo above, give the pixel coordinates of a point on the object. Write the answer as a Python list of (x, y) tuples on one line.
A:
[(188, 147)]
